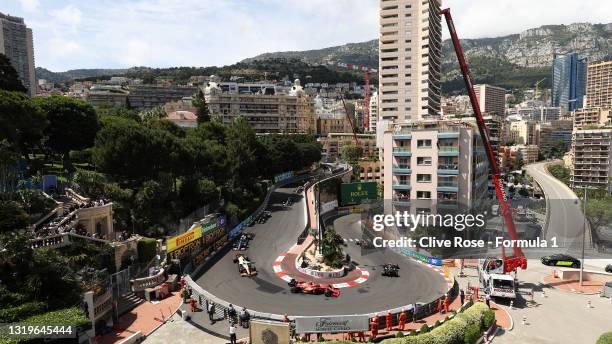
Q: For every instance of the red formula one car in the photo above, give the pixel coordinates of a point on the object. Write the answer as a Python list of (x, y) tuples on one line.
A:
[(313, 288)]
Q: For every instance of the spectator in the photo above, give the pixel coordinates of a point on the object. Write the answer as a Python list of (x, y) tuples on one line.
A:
[(244, 318), (462, 296), (211, 312), (232, 333)]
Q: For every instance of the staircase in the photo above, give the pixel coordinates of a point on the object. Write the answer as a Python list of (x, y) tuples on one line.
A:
[(128, 302)]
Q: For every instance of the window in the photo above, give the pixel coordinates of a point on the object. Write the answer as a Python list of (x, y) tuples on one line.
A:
[(423, 195), (424, 143), (423, 178), (424, 161)]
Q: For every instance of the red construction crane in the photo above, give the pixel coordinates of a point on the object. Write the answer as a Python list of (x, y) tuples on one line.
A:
[(518, 260)]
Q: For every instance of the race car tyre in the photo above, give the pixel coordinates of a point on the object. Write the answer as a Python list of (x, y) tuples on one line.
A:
[(295, 290)]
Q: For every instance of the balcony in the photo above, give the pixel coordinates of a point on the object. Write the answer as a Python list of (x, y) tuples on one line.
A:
[(448, 186), (448, 169), (448, 151), (401, 186), (402, 151), (402, 201), (402, 169), (399, 137), (448, 135)]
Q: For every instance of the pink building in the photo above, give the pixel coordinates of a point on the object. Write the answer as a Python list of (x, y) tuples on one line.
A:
[(434, 164), (184, 119)]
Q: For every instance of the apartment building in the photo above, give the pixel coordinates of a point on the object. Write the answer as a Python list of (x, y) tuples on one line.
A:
[(144, 97), (373, 112), (551, 132), (17, 44), (266, 112), (592, 158), (491, 99), (592, 117), (495, 126), (410, 39), (509, 156), (568, 81), (107, 95), (333, 142), (434, 164), (599, 85), (522, 132)]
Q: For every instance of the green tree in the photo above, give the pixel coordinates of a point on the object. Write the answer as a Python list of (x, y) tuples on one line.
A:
[(122, 112), (12, 217), (351, 153), (151, 115), (9, 79), (241, 146), (199, 102), (73, 125), (599, 213), (21, 124), (124, 149), (168, 126)]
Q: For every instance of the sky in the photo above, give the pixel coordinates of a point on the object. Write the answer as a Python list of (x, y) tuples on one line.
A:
[(70, 34)]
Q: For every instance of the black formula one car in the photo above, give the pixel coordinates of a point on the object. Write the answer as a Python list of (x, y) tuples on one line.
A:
[(561, 260), (242, 243), (390, 270)]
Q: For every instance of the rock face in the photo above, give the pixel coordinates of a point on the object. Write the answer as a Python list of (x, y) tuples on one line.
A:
[(530, 48)]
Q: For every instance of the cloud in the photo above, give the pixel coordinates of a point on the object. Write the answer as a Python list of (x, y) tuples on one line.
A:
[(69, 15), (162, 33), (29, 6)]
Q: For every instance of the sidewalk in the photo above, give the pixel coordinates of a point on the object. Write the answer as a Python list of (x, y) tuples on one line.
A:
[(587, 288), (179, 331), (144, 318)]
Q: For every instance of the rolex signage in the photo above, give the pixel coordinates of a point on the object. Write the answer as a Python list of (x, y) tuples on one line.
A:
[(356, 193)]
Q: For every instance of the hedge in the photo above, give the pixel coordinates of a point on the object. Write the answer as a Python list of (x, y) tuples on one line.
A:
[(605, 338), (147, 248), (16, 313), (68, 316), (450, 332)]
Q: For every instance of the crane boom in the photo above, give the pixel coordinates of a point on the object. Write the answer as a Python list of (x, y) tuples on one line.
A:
[(519, 260)]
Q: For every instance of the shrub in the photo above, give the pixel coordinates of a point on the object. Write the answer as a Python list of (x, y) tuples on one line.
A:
[(605, 338), (13, 314), (400, 335), (147, 248), (488, 319), (437, 323), (452, 331), (472, 333)]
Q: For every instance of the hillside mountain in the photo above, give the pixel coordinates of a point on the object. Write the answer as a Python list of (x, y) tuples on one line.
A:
[(517, 60), (42, 73)]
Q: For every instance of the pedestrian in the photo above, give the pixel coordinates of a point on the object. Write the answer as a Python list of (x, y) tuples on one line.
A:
[(231, 313), (193, 304), (244, 318), (446, 304), (402, 320), (389, 321), (211, 312), (462, 296), (232, 333), (488, 299)]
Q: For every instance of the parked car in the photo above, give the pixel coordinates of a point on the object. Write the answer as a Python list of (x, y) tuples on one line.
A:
[(561, 260)]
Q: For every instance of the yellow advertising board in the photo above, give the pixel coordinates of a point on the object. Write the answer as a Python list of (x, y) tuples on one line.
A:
[(179, 241)]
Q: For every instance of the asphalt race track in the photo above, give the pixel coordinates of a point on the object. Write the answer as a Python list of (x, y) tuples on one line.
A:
[(268, 293)]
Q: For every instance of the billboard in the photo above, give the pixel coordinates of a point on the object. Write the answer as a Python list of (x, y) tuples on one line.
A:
[(331, 324), (179, 241), (356, 193)]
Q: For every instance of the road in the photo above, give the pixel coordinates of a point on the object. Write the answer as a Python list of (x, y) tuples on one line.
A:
[(268, 293), (565, 220)]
